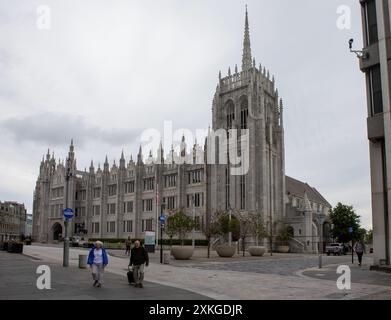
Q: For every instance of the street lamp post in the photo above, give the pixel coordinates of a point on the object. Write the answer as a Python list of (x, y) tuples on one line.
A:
[(230, 232), (321, 220), (193, 231), (68, 175), (161, 234)]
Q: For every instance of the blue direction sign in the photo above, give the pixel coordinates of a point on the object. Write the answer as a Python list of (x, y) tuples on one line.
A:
[(350, 230), (68, 213), (162, 218)]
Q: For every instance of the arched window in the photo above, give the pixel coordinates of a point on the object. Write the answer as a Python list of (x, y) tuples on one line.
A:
[(230, 114), (243, 113)]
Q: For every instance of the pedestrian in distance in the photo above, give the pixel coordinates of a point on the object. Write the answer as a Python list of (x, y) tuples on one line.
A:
[(139, 260), (359, 248), (128, 243), (97, 260)]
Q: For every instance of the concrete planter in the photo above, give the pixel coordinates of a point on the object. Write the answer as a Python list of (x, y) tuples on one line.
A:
[(257, 251), (15, 247), (225, 251), (283, 249), (182, 253)]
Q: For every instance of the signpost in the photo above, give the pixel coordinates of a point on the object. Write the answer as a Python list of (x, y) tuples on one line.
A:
[(68, 214), (351, 234), (162, 220)]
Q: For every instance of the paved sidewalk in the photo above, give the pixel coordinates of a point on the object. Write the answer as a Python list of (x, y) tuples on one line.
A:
[(359, 275), (18, 281), (232, 285)]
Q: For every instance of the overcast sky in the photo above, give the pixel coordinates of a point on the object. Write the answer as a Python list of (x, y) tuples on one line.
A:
[(106, 71)]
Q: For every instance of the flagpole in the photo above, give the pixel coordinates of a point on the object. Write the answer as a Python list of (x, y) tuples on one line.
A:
[(157, 216)]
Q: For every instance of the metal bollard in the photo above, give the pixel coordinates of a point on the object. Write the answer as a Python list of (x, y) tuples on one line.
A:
[(82, 261), (166, 257)]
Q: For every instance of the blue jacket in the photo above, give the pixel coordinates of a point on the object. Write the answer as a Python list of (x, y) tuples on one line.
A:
[(90, 260)]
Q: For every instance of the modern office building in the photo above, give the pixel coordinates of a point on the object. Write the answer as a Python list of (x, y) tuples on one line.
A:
[(375, 63)]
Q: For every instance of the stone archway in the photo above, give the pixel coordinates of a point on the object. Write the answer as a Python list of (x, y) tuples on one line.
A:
[(57, 231)]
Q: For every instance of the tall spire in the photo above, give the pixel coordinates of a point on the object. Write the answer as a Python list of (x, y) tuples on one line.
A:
[(246, 58)]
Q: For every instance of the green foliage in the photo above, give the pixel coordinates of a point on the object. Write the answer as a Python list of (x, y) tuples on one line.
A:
[(179, 225), (284, 235), (343, 217), (225, 225), (369, 237), (257, 227)]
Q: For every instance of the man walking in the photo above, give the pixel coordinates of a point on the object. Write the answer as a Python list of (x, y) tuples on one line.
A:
[(128, 243), (138, 259), (359, 248)]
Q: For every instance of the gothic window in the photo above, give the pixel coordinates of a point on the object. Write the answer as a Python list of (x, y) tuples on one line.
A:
[(128, 226), (97, 193), (96, 210), (147, 205), (111, 208), (230, 114), (195, 176), (149, 184), (170, 180), (112, 190), (195, 200), (244, 114), (129, 187), (95, 227), (242, 192), (147, 225), (110, 227), (128, 207)]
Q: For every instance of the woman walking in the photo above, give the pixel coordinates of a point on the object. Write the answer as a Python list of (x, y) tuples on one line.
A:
[(97, 259)]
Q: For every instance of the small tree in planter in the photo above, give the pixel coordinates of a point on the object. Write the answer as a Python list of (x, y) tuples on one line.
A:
[(180, 224), (245, 226), (211, 229), (283, 237), (259, 233), (225, 226), (170, 230)]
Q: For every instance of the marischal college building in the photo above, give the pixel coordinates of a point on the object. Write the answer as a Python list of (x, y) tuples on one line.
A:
[(125, 199)]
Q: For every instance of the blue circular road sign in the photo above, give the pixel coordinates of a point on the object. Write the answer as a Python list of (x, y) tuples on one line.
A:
[(68, 213), (162, 218)]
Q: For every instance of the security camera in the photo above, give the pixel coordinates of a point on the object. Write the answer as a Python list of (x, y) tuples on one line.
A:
[(351, 44)]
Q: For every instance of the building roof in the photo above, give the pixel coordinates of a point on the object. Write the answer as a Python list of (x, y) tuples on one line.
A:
[(298, 188)]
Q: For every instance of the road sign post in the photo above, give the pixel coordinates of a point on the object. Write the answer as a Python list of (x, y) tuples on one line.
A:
[(350, 229), (68, 214), (162, 220)]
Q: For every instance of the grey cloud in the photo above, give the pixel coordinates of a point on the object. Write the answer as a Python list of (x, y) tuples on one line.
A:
[(57, 129)]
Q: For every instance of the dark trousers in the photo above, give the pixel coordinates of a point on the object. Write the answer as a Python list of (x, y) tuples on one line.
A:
[(127, 250), (359, 255)]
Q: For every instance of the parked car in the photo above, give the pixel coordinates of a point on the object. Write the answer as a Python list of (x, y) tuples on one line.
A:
[(78, 242), (335, 248)]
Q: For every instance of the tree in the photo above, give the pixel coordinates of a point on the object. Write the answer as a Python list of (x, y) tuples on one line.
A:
[(211, 229), (284, 235), (369, 237), (180, 224), (344, 217), (245, 226), (258, 228)]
